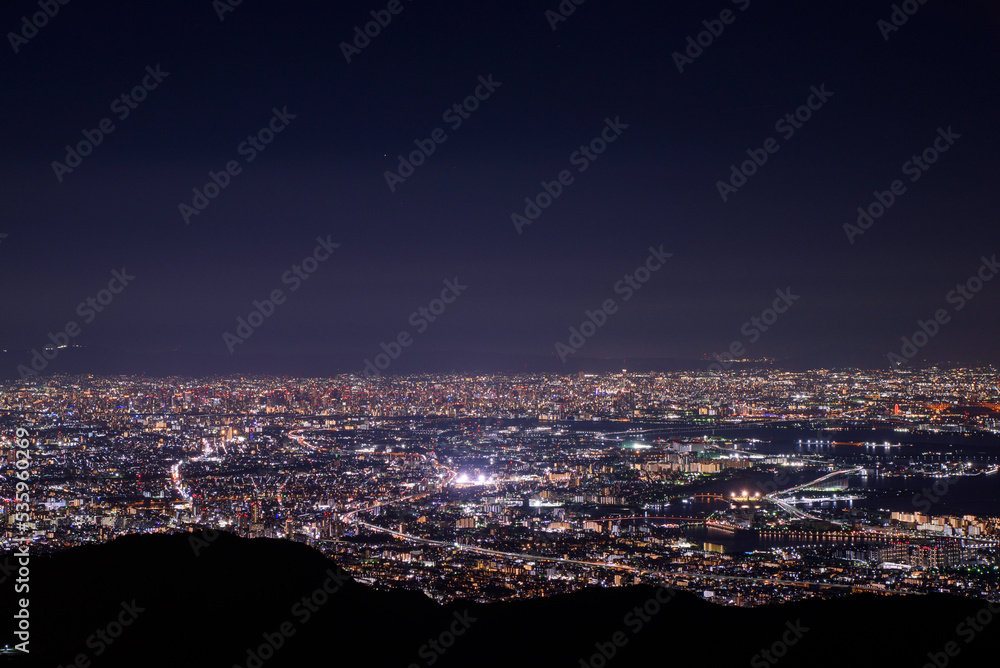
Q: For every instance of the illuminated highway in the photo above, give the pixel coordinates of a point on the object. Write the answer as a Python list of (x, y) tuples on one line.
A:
[(776, 497), (449, 476), (350, 517), (598, 564)]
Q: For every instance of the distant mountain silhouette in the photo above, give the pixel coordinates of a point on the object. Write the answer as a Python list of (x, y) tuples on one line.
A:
[(108, 361), (104, 361), (213, 609)]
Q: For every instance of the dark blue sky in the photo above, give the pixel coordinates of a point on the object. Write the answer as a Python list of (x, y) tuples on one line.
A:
[(656, 183)]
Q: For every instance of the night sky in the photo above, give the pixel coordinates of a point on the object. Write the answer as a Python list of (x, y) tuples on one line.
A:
[(211, 83)]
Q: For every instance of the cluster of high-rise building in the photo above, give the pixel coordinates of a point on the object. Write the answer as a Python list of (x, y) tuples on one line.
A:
[(947, 525)]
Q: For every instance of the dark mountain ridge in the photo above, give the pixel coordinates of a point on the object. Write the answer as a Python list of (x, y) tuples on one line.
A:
[(217, 600)]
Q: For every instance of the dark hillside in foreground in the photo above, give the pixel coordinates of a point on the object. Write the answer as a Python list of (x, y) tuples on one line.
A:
[(180, 609)]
